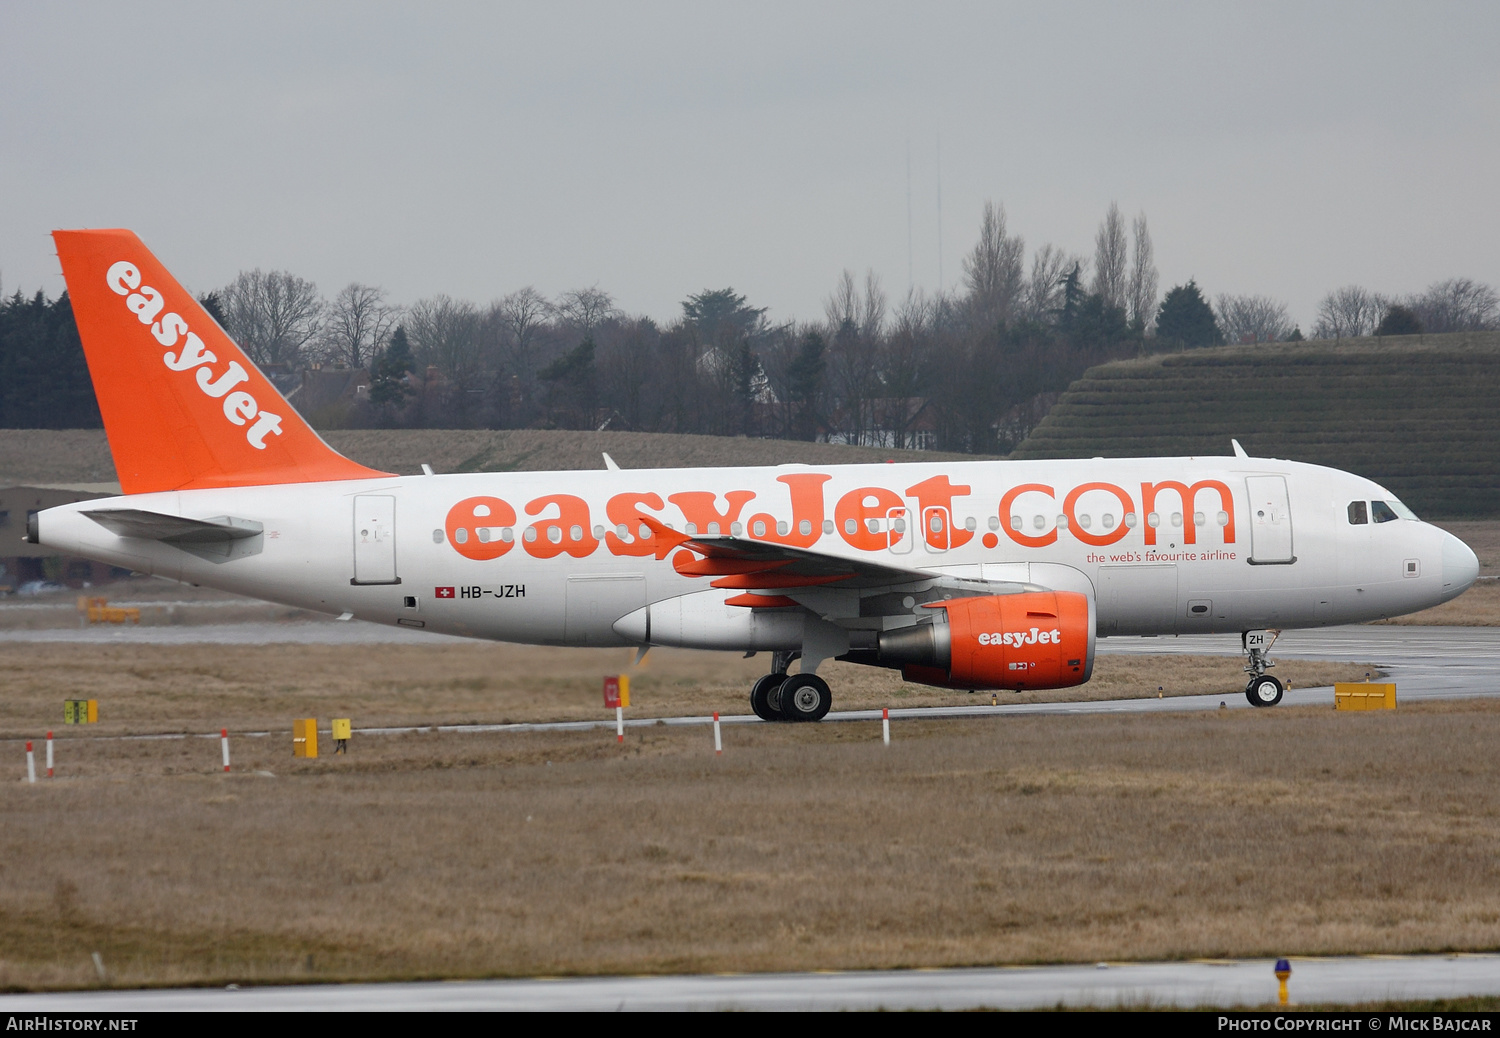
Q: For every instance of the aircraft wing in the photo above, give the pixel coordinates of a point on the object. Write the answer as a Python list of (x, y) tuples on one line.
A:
[(741, 564)]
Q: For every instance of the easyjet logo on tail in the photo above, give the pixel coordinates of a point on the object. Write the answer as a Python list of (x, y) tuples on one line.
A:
[(240, 408)]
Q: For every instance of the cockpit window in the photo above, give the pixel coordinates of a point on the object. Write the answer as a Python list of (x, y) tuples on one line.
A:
[(1383, 512), (1402, 510), (1357, 514)]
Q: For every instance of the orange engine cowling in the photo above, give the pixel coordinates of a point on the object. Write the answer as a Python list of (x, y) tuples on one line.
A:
[(1036, 639)]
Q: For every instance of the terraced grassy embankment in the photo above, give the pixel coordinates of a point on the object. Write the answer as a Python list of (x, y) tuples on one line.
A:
[(1420, 415)]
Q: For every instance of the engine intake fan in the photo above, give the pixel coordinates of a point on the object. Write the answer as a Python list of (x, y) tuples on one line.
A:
[(1037, 639)]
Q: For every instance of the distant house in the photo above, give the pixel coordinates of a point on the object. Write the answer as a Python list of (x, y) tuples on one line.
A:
[(326, 397)]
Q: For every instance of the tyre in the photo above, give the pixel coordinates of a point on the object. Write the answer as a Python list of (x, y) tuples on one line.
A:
[(765, 697), (1264, 691), (805, 697)]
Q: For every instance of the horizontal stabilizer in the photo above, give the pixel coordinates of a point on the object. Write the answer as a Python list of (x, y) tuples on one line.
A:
[(156, 526), (219, 539)]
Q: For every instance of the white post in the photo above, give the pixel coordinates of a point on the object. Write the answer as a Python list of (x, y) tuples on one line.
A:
[(619, 724), (718, 743), (49, 754), (885, 724), (30, 765), (224, 742)]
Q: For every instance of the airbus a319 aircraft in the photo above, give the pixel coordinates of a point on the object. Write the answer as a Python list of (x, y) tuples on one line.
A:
[(973, 575)]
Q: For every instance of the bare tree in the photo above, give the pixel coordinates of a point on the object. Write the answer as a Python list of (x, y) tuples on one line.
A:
[(1252, 318), (358, 322), (1347, 312), (1109, 259), (905, 365), (273, 316), (1042, 298), (522, 314), (586, 307), (873, 307), (855, 321), (993, 271), (1457, 305), (1143, 281), (445, 332)]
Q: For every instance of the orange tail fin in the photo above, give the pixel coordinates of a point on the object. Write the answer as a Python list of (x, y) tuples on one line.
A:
[(183, 407)]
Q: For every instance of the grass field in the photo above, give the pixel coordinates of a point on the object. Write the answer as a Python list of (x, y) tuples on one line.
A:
[(1027, 839), (1413, 413), (1480, 605), (201, 688)]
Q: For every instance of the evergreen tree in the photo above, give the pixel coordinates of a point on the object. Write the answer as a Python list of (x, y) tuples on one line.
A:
[(388, 384), (805, 385), (571, 381), (1399, 320), (1186, 320), (214, 304), (722, 312), (44, 378), (1073, 294)]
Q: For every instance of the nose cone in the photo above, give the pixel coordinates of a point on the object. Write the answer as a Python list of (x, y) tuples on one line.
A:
[(1460, 567)]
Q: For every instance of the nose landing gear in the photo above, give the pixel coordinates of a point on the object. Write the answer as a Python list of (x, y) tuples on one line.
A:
[(1262, 689)]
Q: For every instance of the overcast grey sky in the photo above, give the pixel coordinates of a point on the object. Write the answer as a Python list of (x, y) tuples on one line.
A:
[(658, 149)]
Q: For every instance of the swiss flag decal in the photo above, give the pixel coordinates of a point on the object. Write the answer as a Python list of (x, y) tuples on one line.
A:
[(442, 592)]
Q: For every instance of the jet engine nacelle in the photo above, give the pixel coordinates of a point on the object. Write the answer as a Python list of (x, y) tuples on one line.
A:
[(1036, 639)]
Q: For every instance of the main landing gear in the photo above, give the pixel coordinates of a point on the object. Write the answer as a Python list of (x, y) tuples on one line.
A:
[(1262, 689), (798, 697)]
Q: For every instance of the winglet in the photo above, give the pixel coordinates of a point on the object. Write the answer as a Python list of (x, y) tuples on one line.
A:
[(1239, 452), (183, 407)]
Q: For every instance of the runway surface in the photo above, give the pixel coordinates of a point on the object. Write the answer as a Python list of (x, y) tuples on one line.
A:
[(1342, 981)]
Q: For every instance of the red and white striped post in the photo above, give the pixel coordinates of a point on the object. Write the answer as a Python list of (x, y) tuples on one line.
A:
[(885, 724), (49, 754), (619, 724), (30, 765), (224, 742), (718, 742)]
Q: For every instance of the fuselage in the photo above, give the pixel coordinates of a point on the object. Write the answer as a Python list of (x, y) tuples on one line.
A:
[(1164, 545)]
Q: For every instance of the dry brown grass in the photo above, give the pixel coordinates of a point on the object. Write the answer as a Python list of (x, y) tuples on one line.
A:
[(1290, 831), (1480, 605), (1483, 535), (154, 688), (1477, 607)]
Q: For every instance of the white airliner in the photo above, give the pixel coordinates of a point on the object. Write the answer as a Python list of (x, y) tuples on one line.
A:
[(973, 575)]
